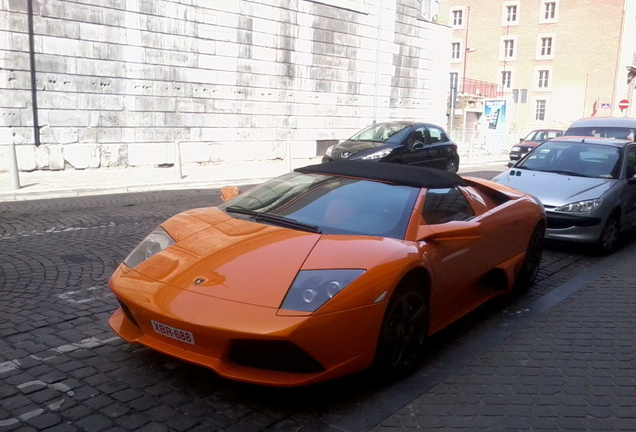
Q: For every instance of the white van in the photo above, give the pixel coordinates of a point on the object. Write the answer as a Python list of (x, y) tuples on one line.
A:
[(604, 127)]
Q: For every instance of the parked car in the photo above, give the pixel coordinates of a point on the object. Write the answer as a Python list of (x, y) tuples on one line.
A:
[(403, 142), (326, 270), (586, 185), (530, 141), (604, 127)]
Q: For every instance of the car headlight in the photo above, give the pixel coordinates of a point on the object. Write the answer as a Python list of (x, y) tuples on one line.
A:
[(377, 155), (516, 148), (154, 243), (580, 206), (329, 150), (313, 288)]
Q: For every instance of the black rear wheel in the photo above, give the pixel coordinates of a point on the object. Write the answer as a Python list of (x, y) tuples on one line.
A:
[(452, 165), (532, 260)]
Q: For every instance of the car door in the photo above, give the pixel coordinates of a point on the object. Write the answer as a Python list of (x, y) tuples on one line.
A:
[(629, 216), (421, 152), (442, 148), (460, 263)]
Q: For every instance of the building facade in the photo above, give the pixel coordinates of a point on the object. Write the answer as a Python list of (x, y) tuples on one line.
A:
[(112, 83), (549, 61)]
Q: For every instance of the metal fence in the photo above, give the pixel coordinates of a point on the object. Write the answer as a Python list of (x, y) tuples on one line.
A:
[(473, 143)]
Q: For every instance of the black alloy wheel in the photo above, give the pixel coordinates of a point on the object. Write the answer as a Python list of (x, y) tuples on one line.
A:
[(452, 165), (532, 260), (404, 330)]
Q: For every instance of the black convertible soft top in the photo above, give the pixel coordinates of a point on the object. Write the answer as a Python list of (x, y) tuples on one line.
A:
[(407, 175)]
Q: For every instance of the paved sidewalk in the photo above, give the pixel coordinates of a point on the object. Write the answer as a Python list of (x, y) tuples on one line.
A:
[(68, 183), (571, 367)]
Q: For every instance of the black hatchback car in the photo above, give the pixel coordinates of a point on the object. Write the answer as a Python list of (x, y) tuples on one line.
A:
[(410, 143)]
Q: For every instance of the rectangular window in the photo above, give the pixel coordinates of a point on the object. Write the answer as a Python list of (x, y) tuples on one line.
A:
[(511, 13), (455, 51), (539, 113), (458, 18), (506, 79), (549, 12), (544, 79), (546, 46), (509, 48)]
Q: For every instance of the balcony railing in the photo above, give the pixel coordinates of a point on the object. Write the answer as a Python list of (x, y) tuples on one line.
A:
[(479, 88)]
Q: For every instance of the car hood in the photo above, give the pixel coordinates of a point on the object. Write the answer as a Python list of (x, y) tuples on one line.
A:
[(219, 256), (358, 146), (238, 260), (555, 189)]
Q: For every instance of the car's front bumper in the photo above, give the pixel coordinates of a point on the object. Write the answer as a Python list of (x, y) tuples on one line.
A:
[(246, 342), (581, 229)]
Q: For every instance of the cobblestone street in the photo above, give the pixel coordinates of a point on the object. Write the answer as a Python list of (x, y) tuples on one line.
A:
[(558, 358)]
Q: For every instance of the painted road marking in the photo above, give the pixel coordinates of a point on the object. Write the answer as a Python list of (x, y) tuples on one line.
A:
[(85, 343), (55, 230), (69, 295)]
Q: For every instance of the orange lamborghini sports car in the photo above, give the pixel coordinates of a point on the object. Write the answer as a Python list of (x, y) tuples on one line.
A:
[(325, 271)]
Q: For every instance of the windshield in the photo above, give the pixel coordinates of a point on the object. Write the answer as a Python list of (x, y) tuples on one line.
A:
[(603, 132), (334, 205), (382, 132), (542, 135), (575, 158)]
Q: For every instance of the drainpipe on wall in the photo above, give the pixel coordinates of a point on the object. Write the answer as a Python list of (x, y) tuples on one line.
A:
[(34, 91), (377, 62)]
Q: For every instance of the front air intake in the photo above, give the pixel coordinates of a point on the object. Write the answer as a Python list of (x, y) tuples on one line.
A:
[(281, 356)]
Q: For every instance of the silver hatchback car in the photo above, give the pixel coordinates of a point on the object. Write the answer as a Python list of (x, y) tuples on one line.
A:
[(587, 186)]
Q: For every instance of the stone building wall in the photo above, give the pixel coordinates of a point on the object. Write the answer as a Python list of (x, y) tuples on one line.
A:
[(119, 82)]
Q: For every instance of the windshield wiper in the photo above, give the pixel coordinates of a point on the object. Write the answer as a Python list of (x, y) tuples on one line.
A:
[(280, 220), (572, 173)]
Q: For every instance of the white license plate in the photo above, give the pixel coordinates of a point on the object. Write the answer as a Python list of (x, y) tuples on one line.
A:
[(172, 332)]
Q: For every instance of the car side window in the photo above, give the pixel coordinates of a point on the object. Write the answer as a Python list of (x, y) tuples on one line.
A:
[(436, 135), (631, 163), (445, 205), (416, 140)]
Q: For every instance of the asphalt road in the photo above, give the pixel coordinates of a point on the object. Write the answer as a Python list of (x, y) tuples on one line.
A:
[(63, 369)]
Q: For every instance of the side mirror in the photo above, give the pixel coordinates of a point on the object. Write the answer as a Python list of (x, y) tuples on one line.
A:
[(454, 230), (417, 146), (229, 192), (521, 140)]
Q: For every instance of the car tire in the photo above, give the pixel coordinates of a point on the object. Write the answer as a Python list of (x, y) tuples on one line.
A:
[(452, 165), (532, 260), (404, 330), (608, 239)]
